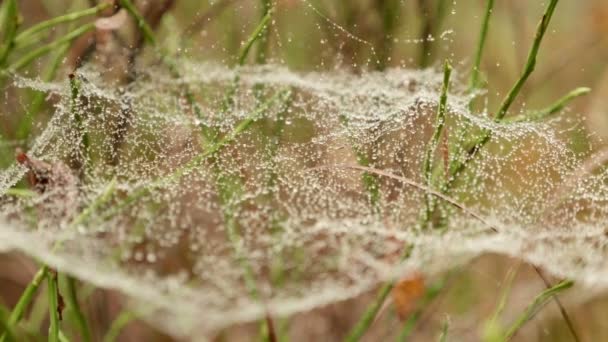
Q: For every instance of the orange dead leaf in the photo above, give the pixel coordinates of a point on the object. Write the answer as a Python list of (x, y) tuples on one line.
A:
[(406, 294)]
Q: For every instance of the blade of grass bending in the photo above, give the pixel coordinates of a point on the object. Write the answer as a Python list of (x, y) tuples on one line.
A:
[(26, 298), (53, 306), (119, 323), (32, 56), (554, 108), (427, 168), (10, 23), (483, 34), (72, 299), (492, 330), (45, 25), (539, 302), (561, 307)]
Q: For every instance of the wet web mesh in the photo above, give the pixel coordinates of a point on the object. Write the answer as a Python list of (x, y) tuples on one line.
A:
[(260, 204)]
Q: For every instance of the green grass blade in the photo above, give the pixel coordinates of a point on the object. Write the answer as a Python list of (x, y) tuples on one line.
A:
[(255, 35), (48, 24), (558, 106), (52, 282), (33, 55), (72, 299), (141, 21), (530, 63), (539, 302), (119, 323), (10, 23), (427, 168), (370, 314), (474, 81), (443, 337), (26, 298)]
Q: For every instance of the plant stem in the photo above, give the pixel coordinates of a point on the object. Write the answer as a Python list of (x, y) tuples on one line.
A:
[(53, 306), (262, 47), (370, 313), (85, 333), (539, 302), (474, 82), (26, 298), (530, 63), (427, 168), (140, 20), (24, 35), (117, 325), (554, 108), (10, 23), (33, 55)]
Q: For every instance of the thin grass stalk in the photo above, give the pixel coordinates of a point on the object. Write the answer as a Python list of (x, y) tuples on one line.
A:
[(33, 55), (10, 23), (458, 166), (560, 306), (556, 107), (48, 24), (263, 40), (26, 298), (530, 63), (370, 313), (5, 329), (443, 337), (539, 302), (427, 171), (72, 299), (52, 285), (475, 79), (118, 324), (147, 31)]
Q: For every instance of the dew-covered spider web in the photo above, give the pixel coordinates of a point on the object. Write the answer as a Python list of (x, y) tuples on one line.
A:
[(278, 192)]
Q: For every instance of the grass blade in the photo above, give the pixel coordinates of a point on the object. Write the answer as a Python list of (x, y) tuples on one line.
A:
[(72, 298), (554, 108), (427, 168), (26, 298), (530, 63), (539, 302), (119, 323), (48, 24), (54, 307), (474, 81), (10, 23), (33, 55)]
